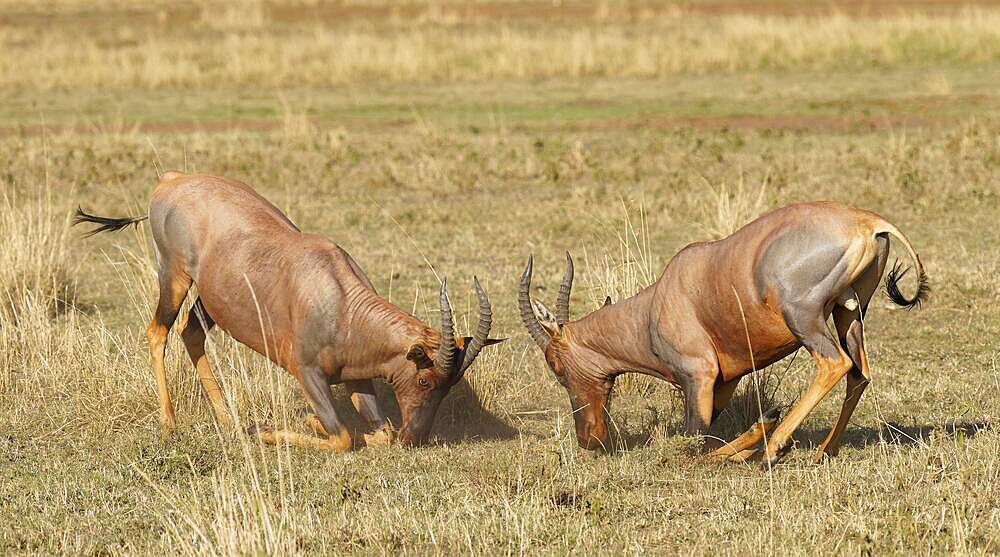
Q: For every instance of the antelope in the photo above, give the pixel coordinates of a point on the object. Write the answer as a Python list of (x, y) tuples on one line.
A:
[(723, 309), (300, 300)]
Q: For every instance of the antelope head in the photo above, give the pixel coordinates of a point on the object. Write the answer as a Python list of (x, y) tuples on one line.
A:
[(573, 364), (435, 370)]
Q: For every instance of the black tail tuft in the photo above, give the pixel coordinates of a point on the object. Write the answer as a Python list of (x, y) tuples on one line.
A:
[(892, 279), (105, 224)]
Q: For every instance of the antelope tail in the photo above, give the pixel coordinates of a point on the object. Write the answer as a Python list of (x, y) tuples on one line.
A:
[(104, 224), (898, 271)]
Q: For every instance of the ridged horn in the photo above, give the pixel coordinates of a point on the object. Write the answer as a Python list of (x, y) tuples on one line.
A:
[(562, 302), (527, 315), (445, 360), (482, 329)]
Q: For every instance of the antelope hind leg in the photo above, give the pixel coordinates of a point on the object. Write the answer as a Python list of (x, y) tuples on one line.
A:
[(173, 289), (851, 330), (194, 333)]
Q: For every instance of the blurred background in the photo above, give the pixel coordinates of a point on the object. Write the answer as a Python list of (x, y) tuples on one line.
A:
[(831, 65)]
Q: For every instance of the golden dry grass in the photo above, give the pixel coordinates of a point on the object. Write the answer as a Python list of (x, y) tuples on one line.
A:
[(83, 456), (228, 47)]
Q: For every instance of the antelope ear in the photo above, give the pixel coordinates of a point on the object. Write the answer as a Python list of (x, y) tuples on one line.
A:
[(545, 318), (418, 355), (489, 341), (607, 301)]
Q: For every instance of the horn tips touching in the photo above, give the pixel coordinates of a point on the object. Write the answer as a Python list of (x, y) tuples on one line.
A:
[(480, 289), (526, 275)]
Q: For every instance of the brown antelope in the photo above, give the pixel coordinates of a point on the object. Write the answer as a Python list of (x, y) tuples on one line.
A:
[(300, 300), (722, 309)]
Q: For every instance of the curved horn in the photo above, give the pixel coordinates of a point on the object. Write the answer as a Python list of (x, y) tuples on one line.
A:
[(562, 302), (445, 359), (527, 315), (482, 330)]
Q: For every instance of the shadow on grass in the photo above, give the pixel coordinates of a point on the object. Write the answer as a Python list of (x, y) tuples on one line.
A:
[(627, 441), (636, 428), (890, 433), (461, 416), (893, 434)]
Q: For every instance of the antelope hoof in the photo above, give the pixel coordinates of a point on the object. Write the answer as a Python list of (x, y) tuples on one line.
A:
[(263, 432), (168, 425), (768, 464), (341, 442), (771, 416), (744, 456), (258, 429), (770, 461), (381, 438), (823, 455), (312, 421)]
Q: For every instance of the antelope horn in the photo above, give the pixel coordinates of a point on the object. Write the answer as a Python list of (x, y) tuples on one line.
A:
[(482, 330), (527, 315), (446, 351), (562, 302)]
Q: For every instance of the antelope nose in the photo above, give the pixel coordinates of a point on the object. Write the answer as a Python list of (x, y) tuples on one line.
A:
[(591, 442)]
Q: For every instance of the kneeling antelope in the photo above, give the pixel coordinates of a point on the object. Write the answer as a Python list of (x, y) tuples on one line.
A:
[(722, 309), (297, 298)]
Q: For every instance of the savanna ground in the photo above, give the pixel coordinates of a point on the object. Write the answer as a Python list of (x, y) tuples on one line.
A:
[(452, 139)]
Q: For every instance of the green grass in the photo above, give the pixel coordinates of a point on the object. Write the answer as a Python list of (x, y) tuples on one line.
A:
[(932, 94)]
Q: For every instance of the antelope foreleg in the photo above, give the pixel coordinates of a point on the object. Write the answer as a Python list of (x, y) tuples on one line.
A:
[(381, 437), (335, 443), (735, 449)]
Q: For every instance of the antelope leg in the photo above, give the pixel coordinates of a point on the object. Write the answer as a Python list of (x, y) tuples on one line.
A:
[(749, 438)]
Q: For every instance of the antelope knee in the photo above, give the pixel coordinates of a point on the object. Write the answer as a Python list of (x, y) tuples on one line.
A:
[(156, 335), (192, 334), (848, 299)]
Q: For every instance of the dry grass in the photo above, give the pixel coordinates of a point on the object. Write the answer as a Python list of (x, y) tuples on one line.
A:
[(235, 46), (33, 269), (83, 469), (81, 413)]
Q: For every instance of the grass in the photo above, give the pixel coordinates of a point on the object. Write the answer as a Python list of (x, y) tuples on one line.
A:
[(463, 174), (229, 46)]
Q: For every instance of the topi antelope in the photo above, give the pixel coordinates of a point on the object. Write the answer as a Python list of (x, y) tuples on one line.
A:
[(300, 300), (723, 309)]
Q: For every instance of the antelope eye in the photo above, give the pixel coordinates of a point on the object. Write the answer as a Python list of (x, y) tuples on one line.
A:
[(423, 382)]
